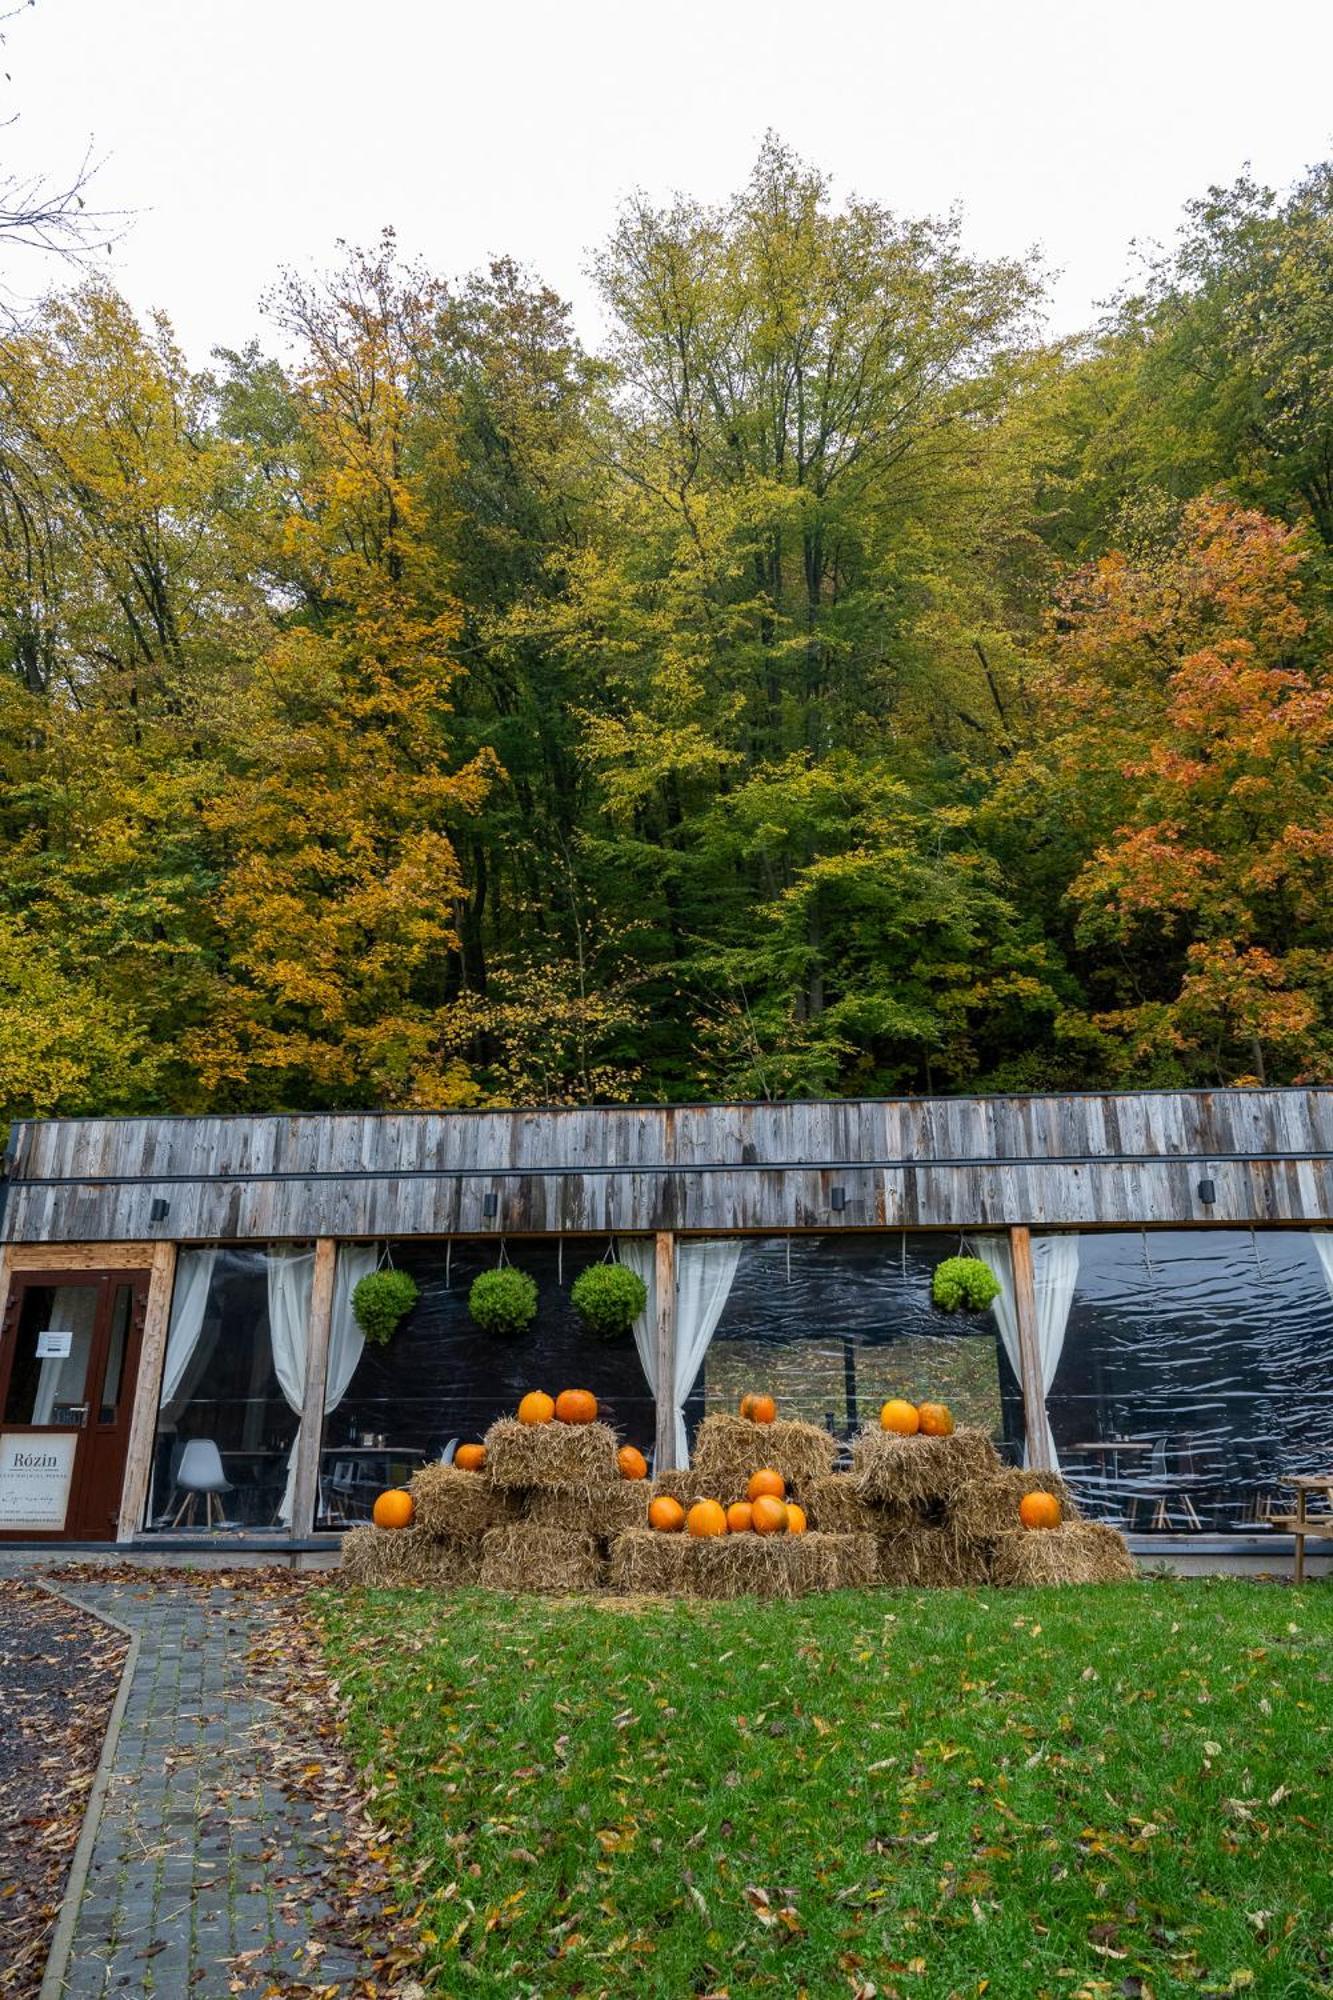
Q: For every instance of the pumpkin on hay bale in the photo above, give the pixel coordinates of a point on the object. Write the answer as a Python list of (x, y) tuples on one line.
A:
[(527, 1556), (728, 1449), (645, 1564), (1078, 1552), (916, 1556), (887, 1466), (555, 1458), (604, 1514), (458, 1505), (984, 1508), (393, 1558)]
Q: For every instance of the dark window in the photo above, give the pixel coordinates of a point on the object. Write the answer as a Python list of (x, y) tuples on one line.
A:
[(834, 1325), (1197, 1369)]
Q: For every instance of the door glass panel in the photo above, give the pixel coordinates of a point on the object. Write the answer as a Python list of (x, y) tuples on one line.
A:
[(121, 1308), (48, 1382)]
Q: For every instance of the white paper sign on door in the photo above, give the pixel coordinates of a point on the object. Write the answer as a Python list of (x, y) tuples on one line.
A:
[(54, 1345), (35, 1475)]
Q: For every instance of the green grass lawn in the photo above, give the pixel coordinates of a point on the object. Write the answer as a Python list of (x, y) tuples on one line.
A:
[(1123, 1791)]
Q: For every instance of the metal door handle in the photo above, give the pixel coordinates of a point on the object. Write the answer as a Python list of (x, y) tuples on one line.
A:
[(79, 1410)]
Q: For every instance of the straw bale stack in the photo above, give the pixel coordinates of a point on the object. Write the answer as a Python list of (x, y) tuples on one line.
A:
[(526, 1556), (728, 1449), (457, 1505), (605, 1515), (392, 1558), (887, 1467), (914, 1555), (981, 1509), (647, 1564)]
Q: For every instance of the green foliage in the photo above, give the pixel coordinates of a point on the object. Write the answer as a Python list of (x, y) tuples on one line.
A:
[(608, 1298), (504, 1301), (768, 1744), (963, 1284), (380, 1300)]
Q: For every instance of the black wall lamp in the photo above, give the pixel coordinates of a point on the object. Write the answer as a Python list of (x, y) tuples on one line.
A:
[(160, 1210), (837, 1199), (489, 1204), (1207, 1192)]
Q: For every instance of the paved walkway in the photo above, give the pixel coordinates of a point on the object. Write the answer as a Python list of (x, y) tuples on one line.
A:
[(205, 1870)]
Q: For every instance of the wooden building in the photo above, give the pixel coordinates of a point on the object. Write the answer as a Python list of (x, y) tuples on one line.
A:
[(179, 1356)]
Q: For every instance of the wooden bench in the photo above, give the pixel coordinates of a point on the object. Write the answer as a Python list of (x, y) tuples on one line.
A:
[(1303, 1524)]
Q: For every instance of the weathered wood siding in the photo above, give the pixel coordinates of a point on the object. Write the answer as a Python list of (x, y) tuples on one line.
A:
[(1077, 1161)]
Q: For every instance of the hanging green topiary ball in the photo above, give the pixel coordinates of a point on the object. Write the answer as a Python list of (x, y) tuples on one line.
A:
[(503, 1302), (608, 1298), (380, 1300), (964, 1284)]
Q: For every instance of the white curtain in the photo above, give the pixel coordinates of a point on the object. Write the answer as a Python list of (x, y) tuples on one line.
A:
[(64, 1378), (346, 1340), (1054, 1276), (704, 1273), (639, 1254), (189, 1301), (290, 1279), (1323, 1249)]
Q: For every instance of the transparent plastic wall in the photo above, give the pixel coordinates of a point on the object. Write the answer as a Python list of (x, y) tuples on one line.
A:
[(834, 1325), (441, 1380), (1196, 1371)]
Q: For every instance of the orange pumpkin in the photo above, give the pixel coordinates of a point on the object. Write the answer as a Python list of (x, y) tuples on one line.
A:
[(740, 1517), (632, 1463), (394, 1509), (770, 1515), (706, 1519), (470, 1457), (900, 1417), (936, 1420), (536, 1408), (796, 1521), (1039, 1510), (576, 1406), (666, 1515), (758, 1409), (766, 1481)]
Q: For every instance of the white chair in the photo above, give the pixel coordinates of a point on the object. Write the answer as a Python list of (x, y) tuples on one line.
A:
[(200, 1471)]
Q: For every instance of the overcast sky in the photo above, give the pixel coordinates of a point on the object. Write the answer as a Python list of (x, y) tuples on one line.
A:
[(253, 133)]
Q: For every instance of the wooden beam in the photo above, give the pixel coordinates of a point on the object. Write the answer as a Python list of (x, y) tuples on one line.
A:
[(161, 1260), (84, 1256), (1025, 1307), (664, 1282), (305, 1487)]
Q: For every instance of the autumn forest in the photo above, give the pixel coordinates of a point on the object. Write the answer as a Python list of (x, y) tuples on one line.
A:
[(828, 683)]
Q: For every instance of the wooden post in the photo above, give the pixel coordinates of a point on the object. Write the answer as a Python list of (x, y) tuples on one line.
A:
[(1025, 1308), (148, 1382), (664, 1281), (305, 1486)]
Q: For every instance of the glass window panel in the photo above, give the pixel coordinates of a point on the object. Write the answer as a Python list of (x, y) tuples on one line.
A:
[(440, 1378), (229, 1405), (121, 1307), (1197, 1370), (52, 1390), (834, 1325)]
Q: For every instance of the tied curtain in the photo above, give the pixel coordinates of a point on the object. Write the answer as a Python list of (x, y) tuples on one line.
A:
[(1054, 1276), (704, 1274), (1323, 1249), (290, 1283), (189, 1303)]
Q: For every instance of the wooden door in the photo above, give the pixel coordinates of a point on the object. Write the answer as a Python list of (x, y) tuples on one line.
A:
[(69, 1359)]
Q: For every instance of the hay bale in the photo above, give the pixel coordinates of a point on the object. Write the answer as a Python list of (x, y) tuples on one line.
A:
[(395, 1558), (1077, 1552), (917, 1556), (683, 1486), (887, 1467), (985, 1508), (605, 1514), (525, 1556), (837, 1506), (457, 1505), (555, 1458), (728, 1449), (645, 1564)]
